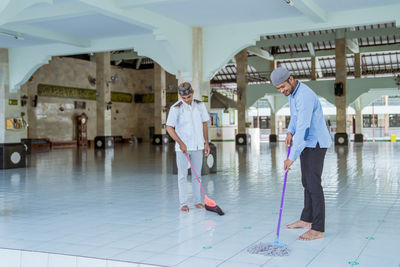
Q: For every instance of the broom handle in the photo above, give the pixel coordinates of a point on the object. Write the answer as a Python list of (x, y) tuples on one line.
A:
[(283, 195), (195, 174)]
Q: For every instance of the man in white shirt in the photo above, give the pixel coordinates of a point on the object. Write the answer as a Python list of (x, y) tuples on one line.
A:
[(187, 125)]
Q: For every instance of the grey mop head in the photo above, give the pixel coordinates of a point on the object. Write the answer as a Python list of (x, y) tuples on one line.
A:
[(269, 250)]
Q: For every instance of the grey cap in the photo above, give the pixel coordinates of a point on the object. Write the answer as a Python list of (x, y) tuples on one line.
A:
[(279, 75), (185, 89)]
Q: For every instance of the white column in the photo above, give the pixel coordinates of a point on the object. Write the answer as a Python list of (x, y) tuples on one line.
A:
[(7, 110), (386, 117), (201, 87), (359, 121)]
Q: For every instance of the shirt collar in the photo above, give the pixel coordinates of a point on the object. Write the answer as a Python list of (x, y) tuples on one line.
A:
[(186, 105), (297, 87)]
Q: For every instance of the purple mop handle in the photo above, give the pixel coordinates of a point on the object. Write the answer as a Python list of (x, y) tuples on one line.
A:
[(283, 196)]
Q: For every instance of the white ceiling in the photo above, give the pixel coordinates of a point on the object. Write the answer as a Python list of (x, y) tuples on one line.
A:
[(162, 29), (92, 19), (93, 26), (221, 12)]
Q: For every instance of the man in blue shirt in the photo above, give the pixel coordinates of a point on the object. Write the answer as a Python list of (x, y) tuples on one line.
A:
[(309, 139)]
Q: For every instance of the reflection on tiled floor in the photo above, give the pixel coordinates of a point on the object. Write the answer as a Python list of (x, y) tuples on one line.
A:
[(122, 204)]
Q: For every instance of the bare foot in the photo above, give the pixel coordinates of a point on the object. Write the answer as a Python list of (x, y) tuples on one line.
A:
[(185, 208), (199, 206), (299, 224), (311, 235)]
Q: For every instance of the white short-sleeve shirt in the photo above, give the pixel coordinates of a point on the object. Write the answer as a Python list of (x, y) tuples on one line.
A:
[(188, 123)]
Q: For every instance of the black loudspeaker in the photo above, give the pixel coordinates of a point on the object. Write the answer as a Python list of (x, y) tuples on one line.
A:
[(273, 138), (243, 139), (160, 139), (103, 142), (341, 139), (339, 89), (12, 156), (358, 138), (34, 101)]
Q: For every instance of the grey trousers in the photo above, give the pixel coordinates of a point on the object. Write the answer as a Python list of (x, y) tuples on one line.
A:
[(182, 163)]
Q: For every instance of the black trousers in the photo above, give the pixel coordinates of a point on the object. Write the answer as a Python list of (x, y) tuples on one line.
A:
[(312, 163)]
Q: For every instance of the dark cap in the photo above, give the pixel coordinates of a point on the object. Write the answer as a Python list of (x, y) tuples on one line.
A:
[(185, 89)]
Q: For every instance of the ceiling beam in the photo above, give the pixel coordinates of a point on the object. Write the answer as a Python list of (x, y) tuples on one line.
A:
[(11, 8), (51, 12), (310, 46), (352, 45), (311, 49), (311, 10), (137, 3), (260, 52), (139, 62), (319, 68), (380, 48), (331, 52), (136, 16), (294, 40), (372, 33), (312, 38), (125, 56), (47, 35)]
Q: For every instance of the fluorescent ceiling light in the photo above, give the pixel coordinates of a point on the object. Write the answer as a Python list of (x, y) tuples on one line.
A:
[(15, 36)]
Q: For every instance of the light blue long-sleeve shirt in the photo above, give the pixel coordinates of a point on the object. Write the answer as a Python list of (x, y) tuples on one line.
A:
[(307, 123)]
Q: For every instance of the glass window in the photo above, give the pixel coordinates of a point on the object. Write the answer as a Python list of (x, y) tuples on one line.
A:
[(394, 120), (367, 121)]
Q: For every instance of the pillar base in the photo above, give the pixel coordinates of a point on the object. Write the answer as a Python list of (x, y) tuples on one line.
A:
[(273, 138), (12, 156), (103, 142), (160, 139), (243, 139), (341, 139), (358, 138), (209, 162)]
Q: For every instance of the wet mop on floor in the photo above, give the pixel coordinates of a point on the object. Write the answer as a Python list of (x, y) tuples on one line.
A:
[(269, 250), (275, 248)]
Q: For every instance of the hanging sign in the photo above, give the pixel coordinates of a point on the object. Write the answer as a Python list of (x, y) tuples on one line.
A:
[(79, 93)]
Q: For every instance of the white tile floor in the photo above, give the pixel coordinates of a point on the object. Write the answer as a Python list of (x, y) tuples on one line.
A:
[(122, 204)]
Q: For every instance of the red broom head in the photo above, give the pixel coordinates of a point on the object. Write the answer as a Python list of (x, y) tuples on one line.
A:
[(209, 202)]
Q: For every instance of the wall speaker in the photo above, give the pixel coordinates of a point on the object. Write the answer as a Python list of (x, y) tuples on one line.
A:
[(339, 89), (34, 101)]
